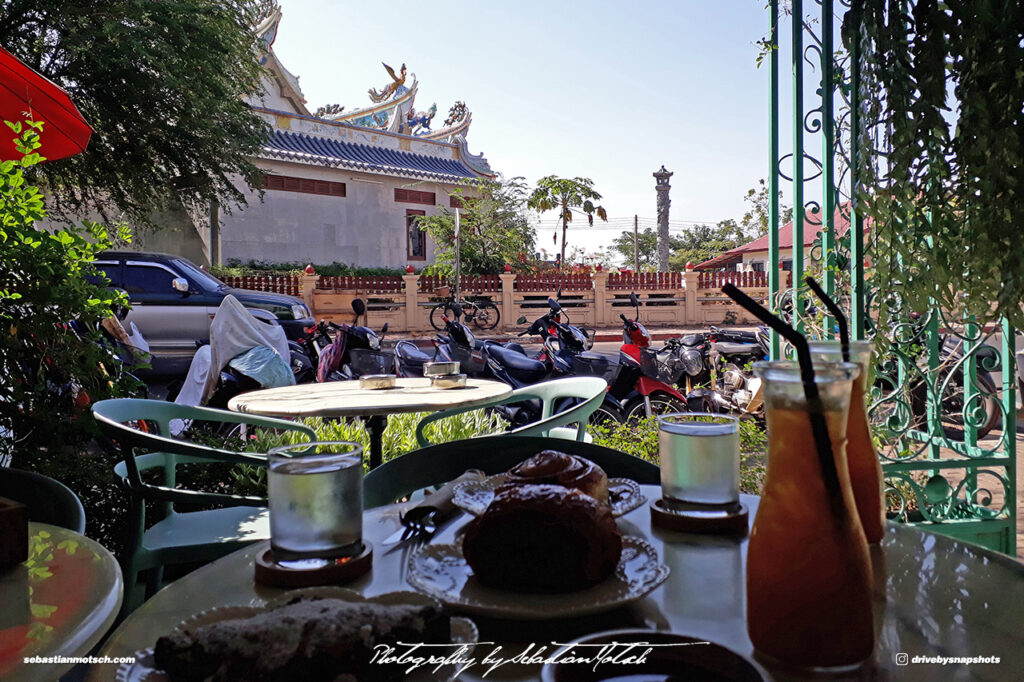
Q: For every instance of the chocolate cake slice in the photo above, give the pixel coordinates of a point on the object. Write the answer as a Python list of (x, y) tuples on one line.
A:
[(320, 639)]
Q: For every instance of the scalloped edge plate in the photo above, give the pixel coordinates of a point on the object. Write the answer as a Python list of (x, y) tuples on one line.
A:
[(440, 571), (474, 496), (144, 668)]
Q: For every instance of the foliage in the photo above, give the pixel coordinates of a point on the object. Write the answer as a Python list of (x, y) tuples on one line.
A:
[(754, 222), (50, 358), (162, 83), (399, 438), (235, 268), (493, 230), (942, 168), (703, 242), (647, 247), (567, 196), (640, 439)]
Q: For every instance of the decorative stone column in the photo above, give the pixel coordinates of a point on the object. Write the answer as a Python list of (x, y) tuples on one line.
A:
[(412, 298), (662, 187), (309, 280), (691, 280), (600, 280), (508, 286)]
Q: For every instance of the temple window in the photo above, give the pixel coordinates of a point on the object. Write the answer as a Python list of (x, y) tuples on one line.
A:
[(416, 238)]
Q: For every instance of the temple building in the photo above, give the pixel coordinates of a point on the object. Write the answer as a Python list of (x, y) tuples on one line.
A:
[(341, 185)]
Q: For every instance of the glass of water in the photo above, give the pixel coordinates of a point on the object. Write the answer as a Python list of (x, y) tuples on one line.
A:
[(700, 459), (316, 500)]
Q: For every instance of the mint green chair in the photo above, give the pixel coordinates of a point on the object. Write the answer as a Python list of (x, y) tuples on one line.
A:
[(588, 390), (47, 500), (140, 430)]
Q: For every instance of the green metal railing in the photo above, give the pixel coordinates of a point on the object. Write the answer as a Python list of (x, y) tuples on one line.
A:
[(947, 428)]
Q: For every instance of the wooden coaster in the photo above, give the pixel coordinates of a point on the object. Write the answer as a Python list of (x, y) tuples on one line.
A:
[(706, 519), (312, 572)]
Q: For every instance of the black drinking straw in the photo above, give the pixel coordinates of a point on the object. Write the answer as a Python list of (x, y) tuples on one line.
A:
[(837, 312), (815, 408)]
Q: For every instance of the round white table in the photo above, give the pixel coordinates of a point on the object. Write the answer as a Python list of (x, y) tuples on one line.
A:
[(934, 597), (58, 603), (348, 399)]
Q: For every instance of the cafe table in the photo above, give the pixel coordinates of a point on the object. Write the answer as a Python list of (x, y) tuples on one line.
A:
[(57, 604), (934, 596), (349, 399)]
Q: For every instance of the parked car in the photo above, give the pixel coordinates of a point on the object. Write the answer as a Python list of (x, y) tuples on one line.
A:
[(173, 301)]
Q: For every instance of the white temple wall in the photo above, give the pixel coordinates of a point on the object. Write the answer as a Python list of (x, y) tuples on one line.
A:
[(365, 228)]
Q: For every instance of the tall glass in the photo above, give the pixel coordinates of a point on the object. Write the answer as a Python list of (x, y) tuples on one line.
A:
[(861, 458), (700, 458), (808, 567), (316, 500)]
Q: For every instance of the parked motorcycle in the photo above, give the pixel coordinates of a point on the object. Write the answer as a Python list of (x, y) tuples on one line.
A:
[(354, 351), (714, 369)]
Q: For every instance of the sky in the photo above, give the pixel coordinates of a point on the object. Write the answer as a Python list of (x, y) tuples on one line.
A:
[(605, 90)]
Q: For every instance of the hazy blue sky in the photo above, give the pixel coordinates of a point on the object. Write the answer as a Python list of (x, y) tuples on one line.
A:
[(606, 90)]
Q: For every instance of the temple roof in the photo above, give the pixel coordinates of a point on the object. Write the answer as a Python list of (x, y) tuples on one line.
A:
[(331, 152)]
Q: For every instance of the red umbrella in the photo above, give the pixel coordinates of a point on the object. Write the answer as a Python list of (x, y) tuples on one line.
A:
[(22, 90)]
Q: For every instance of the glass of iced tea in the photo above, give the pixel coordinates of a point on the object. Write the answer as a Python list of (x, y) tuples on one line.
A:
[(316, 500), (861, 458), (700, 459), (808, 567)]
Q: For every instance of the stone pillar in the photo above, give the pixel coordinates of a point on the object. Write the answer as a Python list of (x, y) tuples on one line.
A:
[(309, 279), (508, 285), (412, 309), (600, 280), (691, 279), (662, 187)]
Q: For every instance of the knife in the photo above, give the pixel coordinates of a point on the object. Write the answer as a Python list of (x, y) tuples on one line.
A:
[(423, 520)]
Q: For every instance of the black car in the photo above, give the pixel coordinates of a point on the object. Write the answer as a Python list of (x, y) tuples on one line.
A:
[(173, 301)]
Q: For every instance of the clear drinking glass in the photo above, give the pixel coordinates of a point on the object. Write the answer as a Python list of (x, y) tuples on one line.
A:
[(808, 567), (316, 500), (700, 459)]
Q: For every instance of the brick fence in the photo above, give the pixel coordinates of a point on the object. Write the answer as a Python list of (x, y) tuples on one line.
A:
[(596, 300)]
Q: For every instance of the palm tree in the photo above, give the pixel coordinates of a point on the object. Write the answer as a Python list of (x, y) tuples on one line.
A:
[(567, 196)]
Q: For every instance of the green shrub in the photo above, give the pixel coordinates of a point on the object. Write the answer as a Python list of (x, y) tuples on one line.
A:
[(641, 440), (399, 438)]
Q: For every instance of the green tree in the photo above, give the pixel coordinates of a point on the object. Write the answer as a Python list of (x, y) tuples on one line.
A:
[(162, 83), (493, 229), (754, 222), (704, 242), (567, 196), (47, 366), (647, 247)]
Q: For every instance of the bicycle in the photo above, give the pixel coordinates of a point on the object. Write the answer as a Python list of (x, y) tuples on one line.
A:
[(484, 314)]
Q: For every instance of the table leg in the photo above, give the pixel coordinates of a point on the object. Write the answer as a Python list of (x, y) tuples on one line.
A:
[(375, 427)]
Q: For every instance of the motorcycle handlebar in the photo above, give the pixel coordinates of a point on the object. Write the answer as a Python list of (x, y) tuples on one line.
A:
[(623, 317), (526, 333)]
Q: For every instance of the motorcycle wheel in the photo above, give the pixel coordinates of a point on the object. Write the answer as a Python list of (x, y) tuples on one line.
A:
[(487, 315), (660, 404), (915, 396), (605, 416)]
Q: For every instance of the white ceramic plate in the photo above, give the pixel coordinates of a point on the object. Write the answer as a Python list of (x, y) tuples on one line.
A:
[(474, 496), (144, 668), (441, 572)]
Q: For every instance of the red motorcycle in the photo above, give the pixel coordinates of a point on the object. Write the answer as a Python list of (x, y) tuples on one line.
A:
[(637, 384)]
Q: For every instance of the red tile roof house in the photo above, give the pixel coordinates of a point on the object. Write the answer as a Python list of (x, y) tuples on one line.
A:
[(753, 256)]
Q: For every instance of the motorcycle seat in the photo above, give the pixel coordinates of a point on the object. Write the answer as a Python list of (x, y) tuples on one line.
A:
[(517, 362), (726, 348), (512, 345), (412, 355)]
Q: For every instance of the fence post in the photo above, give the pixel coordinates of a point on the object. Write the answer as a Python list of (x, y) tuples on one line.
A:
[(412, 296), (691, 281), (508, 285), (309, 280), (600, 297)]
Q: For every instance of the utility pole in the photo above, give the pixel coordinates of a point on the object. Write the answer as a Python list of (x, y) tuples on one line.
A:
[(662, 188), (636, 244)]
